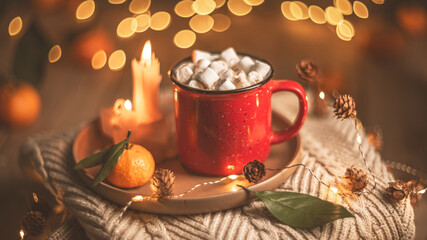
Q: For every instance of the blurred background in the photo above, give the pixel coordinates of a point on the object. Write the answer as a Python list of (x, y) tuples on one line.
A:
[(63, 60)]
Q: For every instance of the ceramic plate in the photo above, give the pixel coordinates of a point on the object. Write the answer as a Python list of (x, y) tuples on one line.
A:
[(207, 198)]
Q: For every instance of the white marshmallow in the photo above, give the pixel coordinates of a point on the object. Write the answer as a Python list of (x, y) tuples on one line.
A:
[(195, 84), (208, 77), (203, 64), (227, 85), (254, 77), (230, 56), (218, 66), (199, 54), (184, 73), (240, 80), (262, 68), (246, 64), (227, 74)]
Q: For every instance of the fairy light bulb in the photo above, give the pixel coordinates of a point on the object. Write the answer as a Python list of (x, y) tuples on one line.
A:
[(322, 95), (128, 105)]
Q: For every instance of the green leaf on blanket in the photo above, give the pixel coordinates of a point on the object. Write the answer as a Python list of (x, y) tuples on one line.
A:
[(107, 157), (300, 210)]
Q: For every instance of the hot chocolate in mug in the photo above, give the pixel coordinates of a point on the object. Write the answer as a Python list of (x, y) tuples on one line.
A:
[(218, 132)]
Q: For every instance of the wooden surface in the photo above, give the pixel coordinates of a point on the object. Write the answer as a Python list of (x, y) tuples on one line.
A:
[(390, 91)]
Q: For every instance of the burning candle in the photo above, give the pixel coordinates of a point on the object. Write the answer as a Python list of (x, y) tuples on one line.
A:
[(146, 81)]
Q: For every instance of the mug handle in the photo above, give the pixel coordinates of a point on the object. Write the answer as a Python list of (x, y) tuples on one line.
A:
[(296, 88)]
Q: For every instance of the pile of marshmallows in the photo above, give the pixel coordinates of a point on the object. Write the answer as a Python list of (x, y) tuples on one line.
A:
[(225, 71)]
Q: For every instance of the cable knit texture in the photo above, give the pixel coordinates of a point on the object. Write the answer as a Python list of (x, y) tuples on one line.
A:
[(329, 147)]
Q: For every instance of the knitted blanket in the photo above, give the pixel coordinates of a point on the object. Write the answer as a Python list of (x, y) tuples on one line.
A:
[(329, 147)]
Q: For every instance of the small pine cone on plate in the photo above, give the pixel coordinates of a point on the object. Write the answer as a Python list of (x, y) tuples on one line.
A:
[(397, 191), (356, 179), (345, 107), (162, 183), (254, 171)]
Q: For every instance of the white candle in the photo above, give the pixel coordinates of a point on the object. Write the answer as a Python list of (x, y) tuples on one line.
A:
[(146, 81)]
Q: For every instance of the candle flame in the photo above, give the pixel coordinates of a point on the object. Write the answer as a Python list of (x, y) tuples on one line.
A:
[(146, 52), (128, 105), (22, 234)]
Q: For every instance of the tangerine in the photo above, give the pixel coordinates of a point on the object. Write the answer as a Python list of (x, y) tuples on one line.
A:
[(134, 168), (19, 105)]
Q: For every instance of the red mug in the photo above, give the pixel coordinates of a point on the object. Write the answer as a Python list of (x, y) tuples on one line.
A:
[(218, 132)]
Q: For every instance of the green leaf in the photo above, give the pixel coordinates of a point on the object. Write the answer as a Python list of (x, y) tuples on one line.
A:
[(31, 56), (92, 160), (300, 210), (114, 154)]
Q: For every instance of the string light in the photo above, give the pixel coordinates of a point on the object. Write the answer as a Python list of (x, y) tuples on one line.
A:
[(54, 54), (15, 26), (160, 21), (322, 95), (99, 60), (85, 10), (22, 234)]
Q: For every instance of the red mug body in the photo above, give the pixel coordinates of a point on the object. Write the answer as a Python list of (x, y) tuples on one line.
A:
[(218, 132)]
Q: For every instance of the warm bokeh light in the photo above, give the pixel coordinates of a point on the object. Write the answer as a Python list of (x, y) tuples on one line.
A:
[(346, 28), (219, 3), (146, 52), (378, 1), (204, 7), (21, 234), (184, 8), (233, 177), (184, 38), (160, 21), (116, 1), (342, 36), (360, 9), (127, 27), (322, 95), (422, 191), (286, 11), (254, 2), (333, 15), (344, 6), (138, 198), (128, 105), (303, 8), (295, 10), (117, 60), (333, 189), (316, 14), (143, 22), (221, 22), (15, 26), (201, 23), (239, 7), (99, 60), (85, 10), (139, 6), (55, 54)]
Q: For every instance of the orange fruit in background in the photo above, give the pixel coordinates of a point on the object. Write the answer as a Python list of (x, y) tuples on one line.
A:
[(87, 44), (134, 168), (19, 105)]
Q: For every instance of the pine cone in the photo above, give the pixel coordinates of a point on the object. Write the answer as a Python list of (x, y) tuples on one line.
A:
[(415, 187), (397, 191), (345, 107), (33, 223), (254, 171), (307, 70), (375, 137), (356, 179), (162, 183)]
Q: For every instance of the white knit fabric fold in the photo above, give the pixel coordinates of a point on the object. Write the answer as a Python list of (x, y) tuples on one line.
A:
[(328, 149)]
